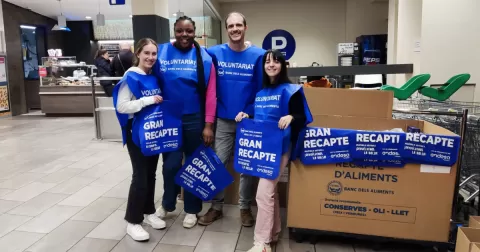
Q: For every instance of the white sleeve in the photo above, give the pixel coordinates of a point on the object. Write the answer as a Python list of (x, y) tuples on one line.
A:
[(128, 104)]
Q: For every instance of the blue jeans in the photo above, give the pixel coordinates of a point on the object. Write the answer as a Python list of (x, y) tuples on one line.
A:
[(172, 162)]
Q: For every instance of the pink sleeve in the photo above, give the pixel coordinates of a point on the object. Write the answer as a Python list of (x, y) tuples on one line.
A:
[(211, 99)]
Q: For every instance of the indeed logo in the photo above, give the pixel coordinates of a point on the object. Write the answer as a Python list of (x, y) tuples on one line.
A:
[(440, 156)]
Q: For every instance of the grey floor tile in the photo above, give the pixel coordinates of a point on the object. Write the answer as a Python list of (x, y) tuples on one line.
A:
[(231, 210), (93, 245), (120, 190), (5, 191), (18, 241), (60, 176), (64, 237), (127, 244), (77, 156), (7, 205), (112, 228), (72, 185), (178, 235), (216, 242), (123, 206), (97, 171), (38, 204), (173, 248), (87, 162), (370, 248), (285, 245), (21, 180), (245, 240), (52, 166), (28, 192), (333, 247), (111, 179), (50, 219), (9, 222), (226, 225), (99, 210), (85, 196)]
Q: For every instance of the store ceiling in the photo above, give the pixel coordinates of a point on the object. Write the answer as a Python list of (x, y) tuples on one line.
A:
[(79, 9)]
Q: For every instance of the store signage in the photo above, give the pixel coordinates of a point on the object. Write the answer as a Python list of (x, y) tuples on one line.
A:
[(280, 40), (42, 71), (117, 2)]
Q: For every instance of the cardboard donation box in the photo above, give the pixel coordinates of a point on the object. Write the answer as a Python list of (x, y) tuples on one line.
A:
[(413, 202), (467, 240), (474, 222)]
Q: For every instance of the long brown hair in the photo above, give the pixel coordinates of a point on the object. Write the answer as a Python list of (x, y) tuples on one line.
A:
[(139, 47), (100, 52)]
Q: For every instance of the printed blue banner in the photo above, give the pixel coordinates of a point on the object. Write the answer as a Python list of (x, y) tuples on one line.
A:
[(324, 146), (431, 149), (159, 128), (377, 145), (258, 148), (203, 174)]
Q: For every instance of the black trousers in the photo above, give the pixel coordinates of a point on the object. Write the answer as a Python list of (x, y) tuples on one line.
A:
[(142, 190)]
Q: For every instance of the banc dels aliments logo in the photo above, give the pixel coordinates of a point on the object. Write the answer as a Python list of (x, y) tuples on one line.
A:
[(221, 72), (163, 69), (335, 188)]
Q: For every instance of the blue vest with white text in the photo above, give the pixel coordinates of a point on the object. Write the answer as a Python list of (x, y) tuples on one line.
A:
[(140, 85), (239, 78), (271, 104), (177, 71)]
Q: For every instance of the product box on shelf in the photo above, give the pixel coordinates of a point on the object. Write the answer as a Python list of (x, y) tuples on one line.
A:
[(412, 202), (468, 240)]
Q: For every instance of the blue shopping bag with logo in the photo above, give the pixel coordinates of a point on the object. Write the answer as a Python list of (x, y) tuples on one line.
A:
[(258, 148), (431, 149), (324, 145), (159, 128), (377, 148), (203, 174)]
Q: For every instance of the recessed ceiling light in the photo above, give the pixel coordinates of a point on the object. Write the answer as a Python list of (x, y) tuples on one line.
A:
[(130, 16), (88, 17), (174, 14)]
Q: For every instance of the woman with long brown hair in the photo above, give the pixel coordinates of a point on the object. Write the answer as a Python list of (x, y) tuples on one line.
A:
[(136, 90)]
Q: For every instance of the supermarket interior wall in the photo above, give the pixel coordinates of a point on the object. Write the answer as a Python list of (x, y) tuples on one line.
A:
[(450, 42), (317, 26)]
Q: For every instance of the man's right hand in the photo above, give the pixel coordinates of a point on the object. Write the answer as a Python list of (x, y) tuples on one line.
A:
[(158, 99), (240, 116)]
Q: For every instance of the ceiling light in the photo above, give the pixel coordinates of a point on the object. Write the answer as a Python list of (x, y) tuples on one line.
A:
[(130, 16), (174, 14), (100, 19), (62, 21), (88, 17), (28, 27), (56, 28)]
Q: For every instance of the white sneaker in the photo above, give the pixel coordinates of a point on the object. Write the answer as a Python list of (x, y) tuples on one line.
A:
[(190, 221), (137, 232), (154, 221), (161, 212), (260, 247)]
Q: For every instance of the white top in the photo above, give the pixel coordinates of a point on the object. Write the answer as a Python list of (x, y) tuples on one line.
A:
[(127, 103)]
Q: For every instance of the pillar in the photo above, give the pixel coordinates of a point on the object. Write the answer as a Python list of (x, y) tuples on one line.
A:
[(404, 32), (150, 20)]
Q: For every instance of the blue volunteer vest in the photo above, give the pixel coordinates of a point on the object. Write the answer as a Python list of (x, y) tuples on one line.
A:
[(271, 104), (239, 78), (140, 86), (177, 71)]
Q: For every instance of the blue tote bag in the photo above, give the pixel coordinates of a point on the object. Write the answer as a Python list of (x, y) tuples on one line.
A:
[(258, 148), (159, 128), (203, 174)]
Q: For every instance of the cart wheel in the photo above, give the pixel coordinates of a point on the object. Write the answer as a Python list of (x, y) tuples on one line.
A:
[(313, 239), (299, 238)]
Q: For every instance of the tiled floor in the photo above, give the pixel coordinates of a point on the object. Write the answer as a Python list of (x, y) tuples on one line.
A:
[(60, 190)]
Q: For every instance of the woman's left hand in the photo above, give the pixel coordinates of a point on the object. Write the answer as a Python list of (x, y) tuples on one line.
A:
[(208, 134), (285, 121)]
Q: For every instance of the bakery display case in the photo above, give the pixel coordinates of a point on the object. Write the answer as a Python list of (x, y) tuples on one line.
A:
[(66, 87)]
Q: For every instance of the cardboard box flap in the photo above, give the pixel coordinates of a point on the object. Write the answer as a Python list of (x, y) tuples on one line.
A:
[(431, 128), (349, 102), (475, 247), (474, 222), (359, 123), (465, 239)]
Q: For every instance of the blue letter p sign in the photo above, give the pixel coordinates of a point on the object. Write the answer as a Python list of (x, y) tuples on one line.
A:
[(280, 40), (117, 2)]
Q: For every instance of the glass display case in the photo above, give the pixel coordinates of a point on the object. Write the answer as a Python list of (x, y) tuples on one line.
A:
[(64, 71), (65, 86)]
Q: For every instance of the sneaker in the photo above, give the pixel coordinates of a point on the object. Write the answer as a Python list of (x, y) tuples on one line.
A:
[(260, 247), (154, 221), (247, 217), (137, 232), (211, 216), (161, 212), (190, 221)]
